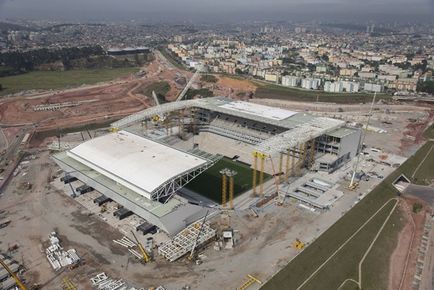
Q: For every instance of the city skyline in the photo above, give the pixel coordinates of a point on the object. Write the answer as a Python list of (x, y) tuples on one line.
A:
[(219, 12)]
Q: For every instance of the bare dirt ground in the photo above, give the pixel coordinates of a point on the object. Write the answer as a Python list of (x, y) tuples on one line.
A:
[(413, 132), (391, 118), (37, 211), (232, 88), (399, 268), (399, 256), (107, 100)]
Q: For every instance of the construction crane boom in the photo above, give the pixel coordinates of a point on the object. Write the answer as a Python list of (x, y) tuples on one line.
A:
[(362, 140), (197, 237), (187, 87), (145, 255), (15, 277)]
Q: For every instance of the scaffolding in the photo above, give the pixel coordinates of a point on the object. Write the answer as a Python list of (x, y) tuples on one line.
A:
[(297, 132), (185, 240)]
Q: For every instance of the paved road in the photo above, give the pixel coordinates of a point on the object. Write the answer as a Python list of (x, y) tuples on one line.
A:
[(425, 193)]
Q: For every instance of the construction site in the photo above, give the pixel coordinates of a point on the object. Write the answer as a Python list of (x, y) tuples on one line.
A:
[(187, 193)]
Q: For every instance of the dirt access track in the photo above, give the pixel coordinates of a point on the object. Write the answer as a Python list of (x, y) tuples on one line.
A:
[(94, 103)]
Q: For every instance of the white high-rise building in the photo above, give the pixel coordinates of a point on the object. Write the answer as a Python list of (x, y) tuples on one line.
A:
[(369, 87), (335, 87), (290, 81), (350, 87), (310, 83)]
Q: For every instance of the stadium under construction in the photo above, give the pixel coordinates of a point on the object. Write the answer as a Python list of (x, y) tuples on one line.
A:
[(149, 159)]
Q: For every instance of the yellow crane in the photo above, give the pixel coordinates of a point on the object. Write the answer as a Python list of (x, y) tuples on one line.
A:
[(15, 277), (146, 257)]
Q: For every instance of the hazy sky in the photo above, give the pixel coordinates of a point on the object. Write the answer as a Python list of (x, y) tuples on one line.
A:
[(218, 10)]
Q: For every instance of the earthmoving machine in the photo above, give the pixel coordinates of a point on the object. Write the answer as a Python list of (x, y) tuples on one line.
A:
[(146, 257), (103, 208), (299, 245)]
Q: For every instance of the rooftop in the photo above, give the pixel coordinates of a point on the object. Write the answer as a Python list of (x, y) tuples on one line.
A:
[(171, 216), (259, 110), (139, 164), (341, 132)]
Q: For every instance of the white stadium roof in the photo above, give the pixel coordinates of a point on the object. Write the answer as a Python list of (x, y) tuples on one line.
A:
[(259, 110), (137, 163)]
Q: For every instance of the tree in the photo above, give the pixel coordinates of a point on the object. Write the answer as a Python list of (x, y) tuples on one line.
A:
[(426, 87), (238, 71)]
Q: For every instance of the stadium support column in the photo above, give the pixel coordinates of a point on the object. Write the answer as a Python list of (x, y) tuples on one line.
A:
[(231, 174), (288, 156), (281, 166), (167, 126), (193, 120), (224, 187), (261, 175), (255, 167), (292, 156), (261, 156), (301, 158), (181, 122), (231, 192), (312, 153), (146, 126)]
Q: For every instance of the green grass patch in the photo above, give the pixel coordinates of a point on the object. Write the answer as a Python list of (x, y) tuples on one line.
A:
[(345, 263), (270, 91), (425, 174), (375, 269), (160, 88), (209, 183), (172, 59), (205, 93), (208, 78), (429, 132), (56, 80), (354, 251)]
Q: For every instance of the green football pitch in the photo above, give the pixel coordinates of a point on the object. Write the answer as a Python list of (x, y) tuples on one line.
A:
[(209, 183)]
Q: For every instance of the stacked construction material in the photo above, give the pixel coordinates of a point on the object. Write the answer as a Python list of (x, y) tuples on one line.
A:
[(185, 240), (57, 256), (127, 243), (104, 282)]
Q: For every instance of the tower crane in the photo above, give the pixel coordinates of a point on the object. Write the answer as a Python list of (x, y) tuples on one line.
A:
[(157, 117), (353, 184)]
